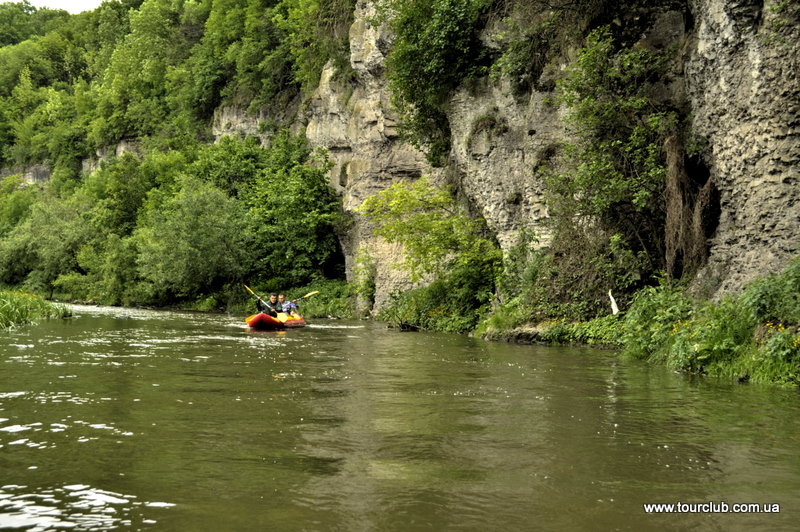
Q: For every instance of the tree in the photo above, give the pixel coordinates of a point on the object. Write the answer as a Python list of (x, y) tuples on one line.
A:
[(229, 164), (295, 214), (444, 247), (437, 235), (191, 243), (38, 249), (20, 21), (437, 47)]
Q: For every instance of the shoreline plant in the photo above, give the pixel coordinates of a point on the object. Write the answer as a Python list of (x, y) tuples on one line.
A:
[(19, 308)]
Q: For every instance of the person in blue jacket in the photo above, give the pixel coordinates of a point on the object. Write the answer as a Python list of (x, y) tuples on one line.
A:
[(289, 307)]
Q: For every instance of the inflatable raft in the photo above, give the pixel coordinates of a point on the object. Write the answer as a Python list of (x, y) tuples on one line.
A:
[(265, 322)]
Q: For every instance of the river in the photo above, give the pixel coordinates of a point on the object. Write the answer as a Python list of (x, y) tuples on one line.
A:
[(120, 419)]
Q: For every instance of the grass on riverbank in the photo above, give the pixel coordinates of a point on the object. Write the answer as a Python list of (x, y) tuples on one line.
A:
[(17, 308), (754, 336)]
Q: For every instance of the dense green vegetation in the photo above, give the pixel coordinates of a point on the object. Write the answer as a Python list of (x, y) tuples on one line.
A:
[(175, 221), (177, 226), (611, 193), (18, 309), (752, 336), (154, 68), (437, 46), (605, 191), (443, 245)]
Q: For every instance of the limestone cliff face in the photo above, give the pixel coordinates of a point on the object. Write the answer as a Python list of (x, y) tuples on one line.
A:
[(743, 83), (497, 143), (355, 122), (739, 78)]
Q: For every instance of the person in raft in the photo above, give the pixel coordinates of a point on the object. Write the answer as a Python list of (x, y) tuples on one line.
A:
[(271, 307), (289, 307)]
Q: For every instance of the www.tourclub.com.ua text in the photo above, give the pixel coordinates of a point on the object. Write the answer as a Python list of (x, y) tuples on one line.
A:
[(712, 508)]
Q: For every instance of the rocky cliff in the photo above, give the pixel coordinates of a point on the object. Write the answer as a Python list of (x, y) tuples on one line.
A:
[(738, 73), (743, 82)]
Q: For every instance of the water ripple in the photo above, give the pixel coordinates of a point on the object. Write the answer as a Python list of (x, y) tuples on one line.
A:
[(73, 506)]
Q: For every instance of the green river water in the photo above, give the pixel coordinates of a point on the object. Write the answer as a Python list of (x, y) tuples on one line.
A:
[(123, 419)]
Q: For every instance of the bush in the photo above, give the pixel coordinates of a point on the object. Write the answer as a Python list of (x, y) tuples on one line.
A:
[(713, 340), (454, 303), (294, 214), (753, 336), (436, 48), (441, 243), (334, 300), (191, 243), (504, 317), (652, 319), (606, 201), (776, 297)]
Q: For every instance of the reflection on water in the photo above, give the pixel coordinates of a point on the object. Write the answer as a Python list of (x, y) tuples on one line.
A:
[(183, 421)]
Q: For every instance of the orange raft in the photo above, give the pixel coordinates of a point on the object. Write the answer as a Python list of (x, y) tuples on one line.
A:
[(265, 322)]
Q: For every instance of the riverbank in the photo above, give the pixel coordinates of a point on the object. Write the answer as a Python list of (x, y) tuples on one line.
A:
[(603, 333), (18, 308), (754, 336)]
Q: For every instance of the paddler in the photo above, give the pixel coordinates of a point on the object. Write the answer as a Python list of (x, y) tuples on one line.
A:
[(271, 307)]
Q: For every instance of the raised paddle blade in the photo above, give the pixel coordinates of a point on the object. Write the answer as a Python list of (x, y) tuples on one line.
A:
[(310, 294), (249, 290)]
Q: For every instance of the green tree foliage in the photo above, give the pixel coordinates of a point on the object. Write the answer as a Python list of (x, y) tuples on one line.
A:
[(436, 48), (441, 244), (620, 171), (132, 96), (191, 243), (230, 164), (15, 202), (317, 32), (437, 235), (117, 191), (100, 31), (607, 208), (20, 21), (131, 231), (44, 244), (294, 215), (132, 68), (176, 225)]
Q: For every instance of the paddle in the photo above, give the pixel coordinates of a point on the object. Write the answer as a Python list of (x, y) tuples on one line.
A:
[(310, 294), (247, 319), (305, 296), (253, 293)]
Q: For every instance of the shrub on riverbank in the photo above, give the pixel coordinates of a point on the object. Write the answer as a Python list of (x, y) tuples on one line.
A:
[(441, 242), (603, 331), (754, 336), (17, 308), (334, 300)]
